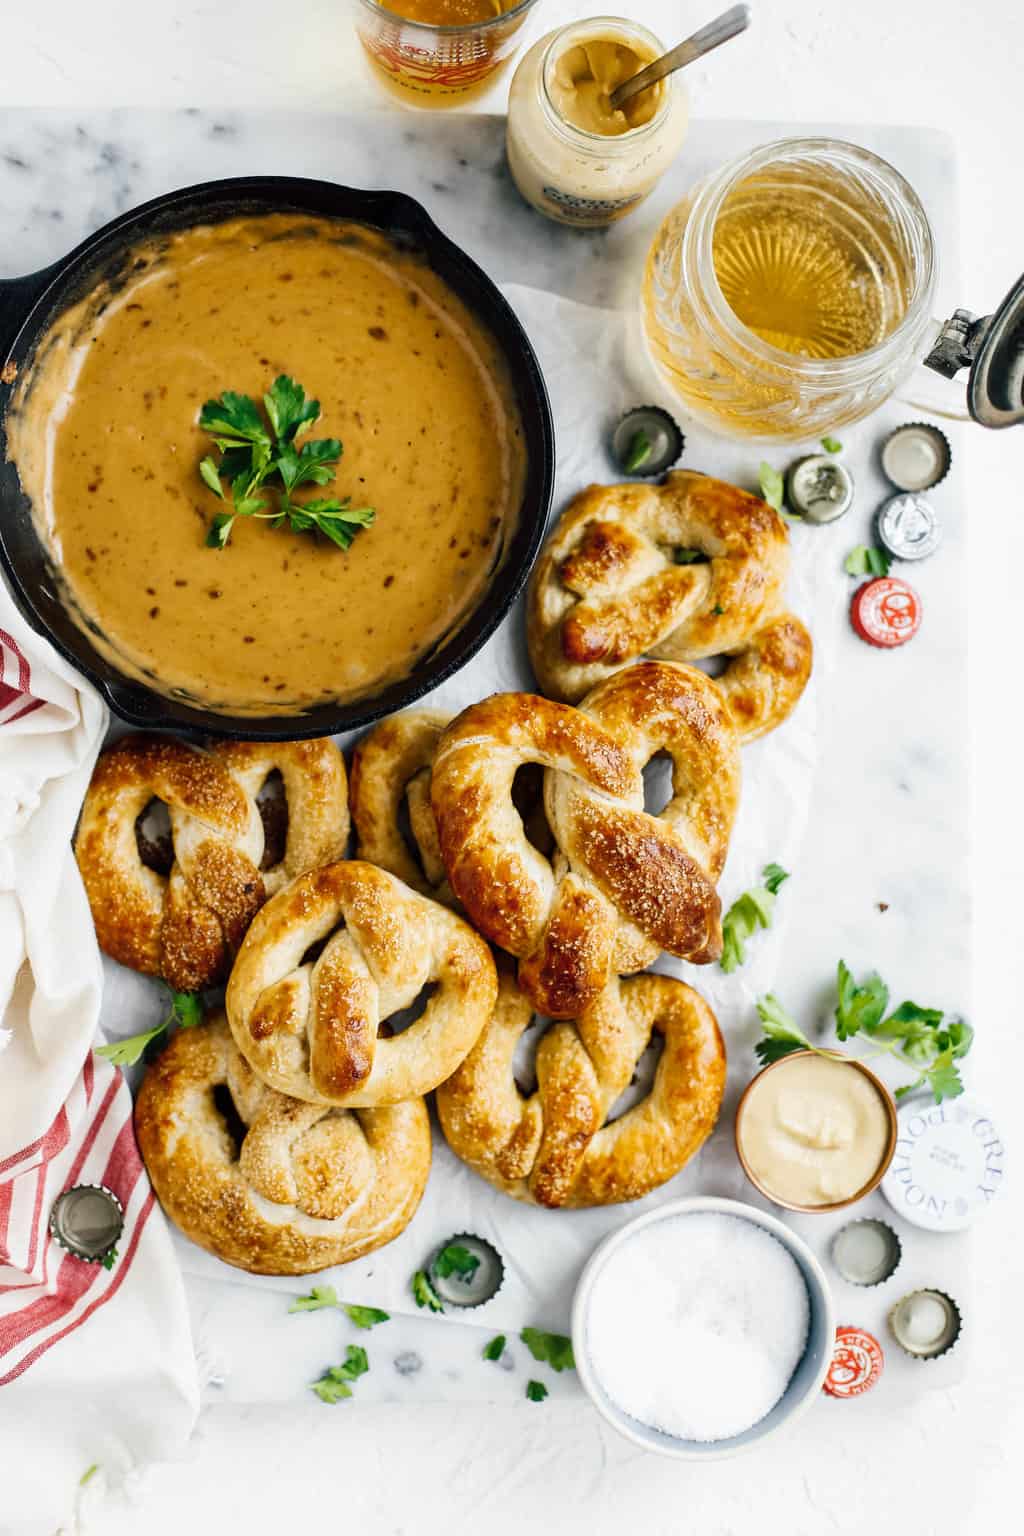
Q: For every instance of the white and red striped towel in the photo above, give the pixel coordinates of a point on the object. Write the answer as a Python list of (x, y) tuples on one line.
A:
[(96, 1364)]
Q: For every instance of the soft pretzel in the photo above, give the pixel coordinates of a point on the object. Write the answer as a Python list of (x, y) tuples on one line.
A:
[(554, 1146), (186, 925), (312, 1027), (391, 773), (624, 884), (608, 588), (306, 1188)]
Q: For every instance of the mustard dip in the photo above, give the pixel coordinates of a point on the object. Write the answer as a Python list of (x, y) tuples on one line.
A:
[(813, 1130)]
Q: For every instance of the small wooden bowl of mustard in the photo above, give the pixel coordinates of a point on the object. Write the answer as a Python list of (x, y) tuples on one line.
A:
[(815, 1131)]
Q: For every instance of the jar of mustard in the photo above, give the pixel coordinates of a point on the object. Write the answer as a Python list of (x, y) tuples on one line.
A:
[(571, 156)]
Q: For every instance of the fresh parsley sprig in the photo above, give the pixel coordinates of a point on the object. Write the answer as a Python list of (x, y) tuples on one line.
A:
[(255, 459), (749, 912), (554, 1349), (923, 1039), (186, 1011)]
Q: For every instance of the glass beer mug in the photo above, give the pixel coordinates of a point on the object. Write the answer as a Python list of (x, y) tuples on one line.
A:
[(791, 293)]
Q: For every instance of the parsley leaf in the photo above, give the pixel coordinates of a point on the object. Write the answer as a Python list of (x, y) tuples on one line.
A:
[(554, 1348), (320, 1296), (772, 485), (922, 1038), (186, 1011), (90, 1472), (423, 1292), (689, 557), (859, 1007), (782, 1034), (831, 445), (125, 1053), (536, 1391), (366, 1317), (109, 1259), (496, 1348), (638, 452), (867, 561), (455, 1260), (253, 458), (333, 1386), (749, 912)]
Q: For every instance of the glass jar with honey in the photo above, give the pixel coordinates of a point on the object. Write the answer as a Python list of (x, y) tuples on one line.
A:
[(438, 53), (791, 291)]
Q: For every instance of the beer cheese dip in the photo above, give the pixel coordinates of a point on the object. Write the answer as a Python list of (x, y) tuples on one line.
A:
[(105, 437), (813, 1130)]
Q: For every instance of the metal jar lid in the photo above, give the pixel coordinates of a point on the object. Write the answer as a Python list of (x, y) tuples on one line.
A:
[(87, 1220), (908, 527), (916, 456), (949, 1164), (819, 488)]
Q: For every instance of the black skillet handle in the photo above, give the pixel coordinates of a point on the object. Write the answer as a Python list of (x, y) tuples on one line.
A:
[(17, 297)]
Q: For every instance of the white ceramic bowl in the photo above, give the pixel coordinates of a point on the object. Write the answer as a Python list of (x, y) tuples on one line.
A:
[(805, 1384)]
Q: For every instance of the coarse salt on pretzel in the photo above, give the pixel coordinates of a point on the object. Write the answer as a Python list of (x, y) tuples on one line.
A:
[(311, 1027), (306, 1186), (555, 1146), (609, 587), (186, 924), (624, 883)]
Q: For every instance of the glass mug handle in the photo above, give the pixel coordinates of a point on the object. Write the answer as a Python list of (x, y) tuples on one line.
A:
[(932, 385)]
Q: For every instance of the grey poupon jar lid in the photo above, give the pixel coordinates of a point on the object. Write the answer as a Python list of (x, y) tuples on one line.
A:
[(87, 1221), (949, 1164)]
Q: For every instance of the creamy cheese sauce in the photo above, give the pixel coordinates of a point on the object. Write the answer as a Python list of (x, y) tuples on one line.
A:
[(104, 433), (813, 1130)]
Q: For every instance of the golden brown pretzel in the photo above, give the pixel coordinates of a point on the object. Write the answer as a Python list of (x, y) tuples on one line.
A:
[(391, 767), (307, 1187), (186, 925), (553, 1147), (624, 883), (607, 588), (310, 1027)]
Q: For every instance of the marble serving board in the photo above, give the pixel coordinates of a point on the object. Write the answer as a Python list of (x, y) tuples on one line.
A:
[(882, 878)]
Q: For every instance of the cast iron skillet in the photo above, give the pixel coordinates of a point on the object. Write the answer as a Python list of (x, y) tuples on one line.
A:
[(29, 304)]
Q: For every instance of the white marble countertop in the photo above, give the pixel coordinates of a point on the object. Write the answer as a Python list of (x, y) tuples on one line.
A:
[(507, 1464)]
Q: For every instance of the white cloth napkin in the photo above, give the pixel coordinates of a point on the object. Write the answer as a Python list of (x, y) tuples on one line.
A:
[(96, 1364)]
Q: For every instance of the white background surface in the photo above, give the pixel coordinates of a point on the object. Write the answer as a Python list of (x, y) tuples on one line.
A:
[(948, 1467)]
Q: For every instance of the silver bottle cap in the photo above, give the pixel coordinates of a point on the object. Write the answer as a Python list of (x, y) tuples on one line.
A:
[(925, 1324), (819, 488), (466, 1270), (87, 1221), (916, 457), (866, 1252), (908, 527)]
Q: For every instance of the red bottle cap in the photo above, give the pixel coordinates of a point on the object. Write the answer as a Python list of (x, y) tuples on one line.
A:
[(886, 612), (857, 1363)]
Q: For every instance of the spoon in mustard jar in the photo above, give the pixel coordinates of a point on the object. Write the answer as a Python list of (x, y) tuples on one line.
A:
[(730, 24)]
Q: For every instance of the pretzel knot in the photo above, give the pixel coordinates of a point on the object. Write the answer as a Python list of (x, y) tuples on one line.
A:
[(311, 1027), (186, 924), (555, 1146), (305, 1188), (609, 587), (391, 773), (624, 884)]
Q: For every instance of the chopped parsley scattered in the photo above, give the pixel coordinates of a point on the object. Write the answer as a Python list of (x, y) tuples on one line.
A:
[(335, 1384), (638, 452), (749, 912), (867, 560), (366, 1317), (772, 485), (496, 1348), (831, 445), (320, 1296), (553, 1348), (423, 1292), (536, 1391), (186, 1011), (455, 1260)]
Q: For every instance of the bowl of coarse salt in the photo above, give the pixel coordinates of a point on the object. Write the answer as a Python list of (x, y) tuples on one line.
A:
[(702, 1327)]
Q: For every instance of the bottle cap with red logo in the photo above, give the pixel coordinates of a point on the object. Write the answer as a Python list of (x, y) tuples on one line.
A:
[(857, 1363), (886, 612)]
